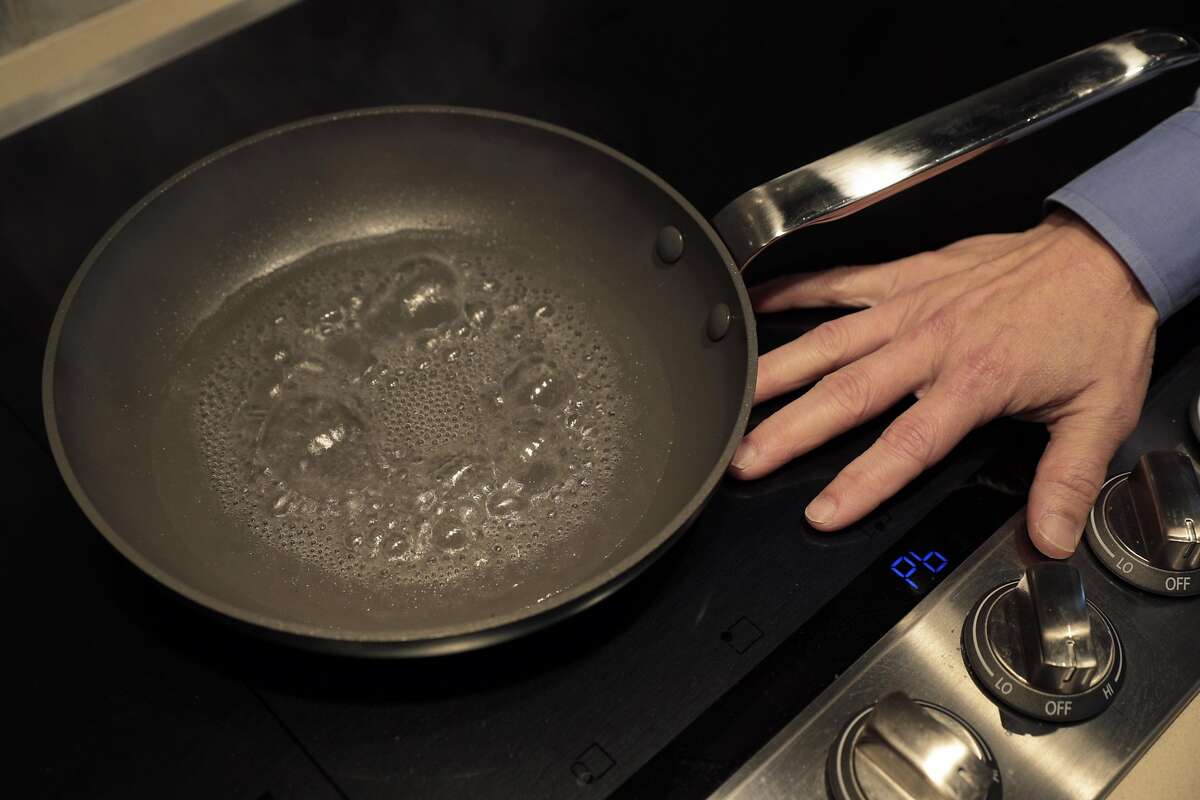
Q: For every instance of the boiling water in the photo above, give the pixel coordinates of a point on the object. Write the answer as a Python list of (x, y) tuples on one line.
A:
[(395, 413)]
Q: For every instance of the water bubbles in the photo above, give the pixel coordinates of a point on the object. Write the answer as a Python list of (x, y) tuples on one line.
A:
[(352, 352), (354, 540), (314, 442), (455, 470), (397, 546), (420, 418), (535, 381), (450, 535), (424, 293), (490, 398), (426, 501), (480, 315), (281, 504), (469, 514), (504, 505)]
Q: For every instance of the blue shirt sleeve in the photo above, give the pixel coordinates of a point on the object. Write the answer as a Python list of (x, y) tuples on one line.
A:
[(1145, 201)]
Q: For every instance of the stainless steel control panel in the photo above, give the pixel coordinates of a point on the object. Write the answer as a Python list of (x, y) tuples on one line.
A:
[(1088, 634)]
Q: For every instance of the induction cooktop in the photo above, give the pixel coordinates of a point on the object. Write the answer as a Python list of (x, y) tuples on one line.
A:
[(116, 688)]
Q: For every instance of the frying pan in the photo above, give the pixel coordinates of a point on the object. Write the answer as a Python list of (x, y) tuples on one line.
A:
[(665, 281)]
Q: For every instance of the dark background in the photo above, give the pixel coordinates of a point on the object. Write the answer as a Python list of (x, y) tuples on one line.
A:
[(108, 694)]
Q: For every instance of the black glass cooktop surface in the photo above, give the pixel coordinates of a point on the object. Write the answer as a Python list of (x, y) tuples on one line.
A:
[(122, 686)]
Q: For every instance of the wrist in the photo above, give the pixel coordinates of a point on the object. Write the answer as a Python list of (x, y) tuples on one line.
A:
[(1094, 254)]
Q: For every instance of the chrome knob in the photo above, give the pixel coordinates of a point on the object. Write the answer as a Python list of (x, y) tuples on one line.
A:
[(1144, 526), (1038, 646), (1048, 630), (904, 749)]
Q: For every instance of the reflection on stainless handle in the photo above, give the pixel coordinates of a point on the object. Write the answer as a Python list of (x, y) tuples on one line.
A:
[(1055, 628), (883, 165)]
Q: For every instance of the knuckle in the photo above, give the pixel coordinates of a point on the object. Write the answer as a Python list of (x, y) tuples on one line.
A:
[(1079, 479), (910, 310), (981, 369), (839, 280), (770, 371), (852, 285), (831, 340), (1106, 416), (923, 264), (850, 390), (911, 439), (850, 477), (896, 285), (942, 325), (1118, 417), (776, 442)]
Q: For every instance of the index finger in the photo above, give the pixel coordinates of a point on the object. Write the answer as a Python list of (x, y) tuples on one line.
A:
[(826, 347), (837, 403), (844, 287)]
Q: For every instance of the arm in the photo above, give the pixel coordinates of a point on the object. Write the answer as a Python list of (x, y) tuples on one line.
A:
[(1145, 203), (996, 325)]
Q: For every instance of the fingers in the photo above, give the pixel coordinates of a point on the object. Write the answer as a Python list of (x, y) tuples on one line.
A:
[(869, 285), (1069, 477), (915, 441), (825, 348), (840, 401), (847, 287)]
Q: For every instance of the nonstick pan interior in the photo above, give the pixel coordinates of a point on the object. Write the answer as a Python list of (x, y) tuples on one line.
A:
[(575, 212)]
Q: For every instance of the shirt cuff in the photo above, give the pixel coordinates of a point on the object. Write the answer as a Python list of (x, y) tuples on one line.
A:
[(1145, 202)]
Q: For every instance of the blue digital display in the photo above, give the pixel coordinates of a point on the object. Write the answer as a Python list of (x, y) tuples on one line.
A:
[(915, 569)]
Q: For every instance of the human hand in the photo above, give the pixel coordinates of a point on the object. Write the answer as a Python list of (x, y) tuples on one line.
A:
[(1048, 324)]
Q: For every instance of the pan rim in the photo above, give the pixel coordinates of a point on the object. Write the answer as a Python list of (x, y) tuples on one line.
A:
[(432, 640)]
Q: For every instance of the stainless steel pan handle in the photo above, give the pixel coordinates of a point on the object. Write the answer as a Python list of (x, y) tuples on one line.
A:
[(883, 165)]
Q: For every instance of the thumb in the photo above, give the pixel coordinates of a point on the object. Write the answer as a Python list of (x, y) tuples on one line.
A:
[(1069, 477)]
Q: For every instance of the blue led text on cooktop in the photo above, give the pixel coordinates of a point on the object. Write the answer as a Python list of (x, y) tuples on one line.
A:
[(917, 570)]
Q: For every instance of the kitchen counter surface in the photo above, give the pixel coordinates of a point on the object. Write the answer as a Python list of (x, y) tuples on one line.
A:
[(56, 54), (1170, 768)]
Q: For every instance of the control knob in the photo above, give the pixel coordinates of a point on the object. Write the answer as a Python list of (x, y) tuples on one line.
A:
[(904, 749), (1039, 647), (1143, 527)]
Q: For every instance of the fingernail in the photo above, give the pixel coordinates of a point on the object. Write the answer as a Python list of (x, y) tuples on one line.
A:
[(821, 510), (745, 454), (1059, 531)]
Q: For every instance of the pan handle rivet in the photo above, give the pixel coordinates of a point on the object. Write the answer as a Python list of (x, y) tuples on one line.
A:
[(669, 244), (719, 319)]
